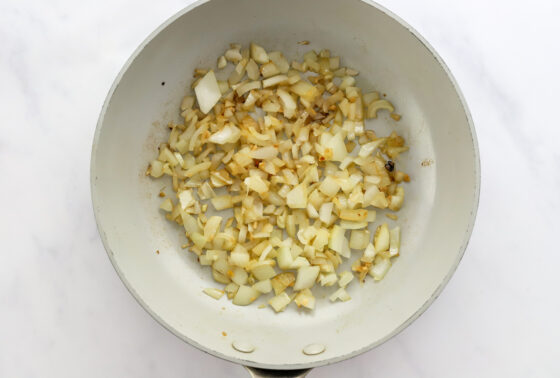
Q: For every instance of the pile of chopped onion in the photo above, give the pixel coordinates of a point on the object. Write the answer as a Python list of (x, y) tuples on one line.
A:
[(281, 152)]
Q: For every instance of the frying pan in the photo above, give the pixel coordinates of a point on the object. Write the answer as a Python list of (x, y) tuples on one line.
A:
[(436, 221)]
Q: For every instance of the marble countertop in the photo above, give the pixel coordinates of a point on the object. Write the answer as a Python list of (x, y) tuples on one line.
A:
[(63, 310)]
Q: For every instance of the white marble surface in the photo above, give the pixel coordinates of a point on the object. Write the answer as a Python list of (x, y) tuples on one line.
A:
[(63, 310)]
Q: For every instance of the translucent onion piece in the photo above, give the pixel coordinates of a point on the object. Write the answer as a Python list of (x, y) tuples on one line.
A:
[(207, 92)]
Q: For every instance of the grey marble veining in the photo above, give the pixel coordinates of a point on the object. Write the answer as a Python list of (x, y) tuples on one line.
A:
[(63, 310)]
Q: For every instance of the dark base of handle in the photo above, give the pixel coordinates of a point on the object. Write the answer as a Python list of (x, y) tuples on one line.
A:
[(265, 373)]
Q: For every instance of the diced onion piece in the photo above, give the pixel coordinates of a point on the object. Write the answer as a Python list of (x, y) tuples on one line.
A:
[(356, 215), (345, 163), (252, 70), (334, 63), (328, 279), (190, 224), (187, 103), (222, 62), (311, 212), (297, 197), (244, 88), (269, 69), (214, 293), (221, 265), (228, 134), (377, 105), (293, 77), (321, 239), (288, 104), (345, 249), (198, 239), (284, 257), (156, 168), (368, 148), (369, 253), (262, 271), (279, 302), (280, 61), (305, 90), (336, 147), (222, 202), (206, 191), (245, 295), (310, 56), (207, 92), (380, 268), (351, 225), (338, 242), (282, 281), (325, 212), (259, 54), (291, 226), (263, 286), (347, 81), (256, 184), (233, 55), (395, 243), (381, 240), (215, 254), (306, 277), (186, 199), (238, 73), (224, 86), (274, 80), (271, 107), (306, 234), (359, 239), (305, 299), (219, 277), (166, 205), (352, 93), (329, 187), (231, 289), (179, 158), (345, 278), (299, 262), (197, 169), (379, 200), (239, 276), (239, 256), (264, 153), (397, 199), (265, 252), (341, 295), (351, 183), (212, 227)]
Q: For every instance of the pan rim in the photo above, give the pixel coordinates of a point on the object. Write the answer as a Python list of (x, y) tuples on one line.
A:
[(328, 361)]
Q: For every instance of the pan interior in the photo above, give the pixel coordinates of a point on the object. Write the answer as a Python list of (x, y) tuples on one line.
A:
[(439, 205)]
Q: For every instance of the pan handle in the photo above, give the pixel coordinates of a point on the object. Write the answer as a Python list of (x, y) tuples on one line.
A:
[(265, 373)]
